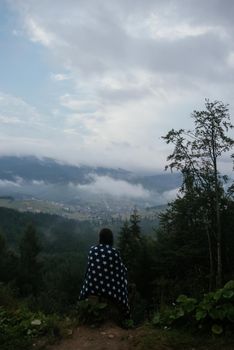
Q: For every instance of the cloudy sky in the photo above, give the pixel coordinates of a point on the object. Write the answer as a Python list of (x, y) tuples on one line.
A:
[(100, 81)]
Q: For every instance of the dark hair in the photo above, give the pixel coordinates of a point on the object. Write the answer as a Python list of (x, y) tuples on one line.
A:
[(106, 236)]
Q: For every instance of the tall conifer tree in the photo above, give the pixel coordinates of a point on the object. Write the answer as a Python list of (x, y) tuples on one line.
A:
[(29, 266)]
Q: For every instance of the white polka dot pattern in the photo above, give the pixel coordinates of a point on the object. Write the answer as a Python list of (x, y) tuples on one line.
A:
[(105, 273)]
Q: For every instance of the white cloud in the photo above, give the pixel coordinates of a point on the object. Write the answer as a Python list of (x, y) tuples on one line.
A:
[(38, 182), (7, 183), (166, 26), (170, 195), (9, 119), (37, 33), (230, 59), (133, 70), (59, 77), (14, 110), (78, 105), (117, 188)]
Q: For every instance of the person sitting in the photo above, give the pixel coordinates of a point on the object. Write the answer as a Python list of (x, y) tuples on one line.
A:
[(106, 275)]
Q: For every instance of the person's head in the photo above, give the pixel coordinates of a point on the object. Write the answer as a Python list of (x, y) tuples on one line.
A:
[(106, 236)]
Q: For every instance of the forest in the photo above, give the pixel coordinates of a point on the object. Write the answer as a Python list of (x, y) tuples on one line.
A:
[(180, 272)]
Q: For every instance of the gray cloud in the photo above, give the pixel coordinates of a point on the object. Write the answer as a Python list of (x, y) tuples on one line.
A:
[(209, 12), (135, 69), (94, 37)]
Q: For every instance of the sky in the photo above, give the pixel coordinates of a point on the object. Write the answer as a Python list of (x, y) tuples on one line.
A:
[(98, 82)]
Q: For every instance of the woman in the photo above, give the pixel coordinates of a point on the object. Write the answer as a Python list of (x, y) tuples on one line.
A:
[(106, 275)]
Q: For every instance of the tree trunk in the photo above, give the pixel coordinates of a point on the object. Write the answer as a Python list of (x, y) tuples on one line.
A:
[(219, 276), (211, 261), (219, 279)]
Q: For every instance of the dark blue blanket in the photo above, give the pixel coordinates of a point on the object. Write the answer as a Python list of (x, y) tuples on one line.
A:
[(106, 276)]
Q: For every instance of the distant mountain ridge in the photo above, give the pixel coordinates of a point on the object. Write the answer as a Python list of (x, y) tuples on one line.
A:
[(50, 171), (97, 187)]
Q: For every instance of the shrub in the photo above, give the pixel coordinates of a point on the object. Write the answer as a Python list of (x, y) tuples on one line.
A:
[(89, 312), (20, 328), (215, 311)]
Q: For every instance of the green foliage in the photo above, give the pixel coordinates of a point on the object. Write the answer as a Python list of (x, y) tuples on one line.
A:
[(215, 310), (217, 329), (130, 246), (195, 155), (7, 297), (151, 338), (187, 304), (229, 285), (48, 272), (57, 234), (181, 264), (128, 323), (137, 252), (62, 277), (2, 244), (89, 312), (20, 328), (29, 273)]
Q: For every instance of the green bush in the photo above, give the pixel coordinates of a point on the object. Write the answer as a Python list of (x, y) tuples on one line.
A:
[(20, 328), (7, 297), (89, 312), (215, 311)]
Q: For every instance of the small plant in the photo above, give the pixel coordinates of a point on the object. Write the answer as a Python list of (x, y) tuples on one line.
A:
[(182, 310), (89, 312), (7, 297), (215, 311), (20, 328), (128, 323)]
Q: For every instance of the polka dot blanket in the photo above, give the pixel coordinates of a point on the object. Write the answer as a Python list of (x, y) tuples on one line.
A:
[(106, 276)]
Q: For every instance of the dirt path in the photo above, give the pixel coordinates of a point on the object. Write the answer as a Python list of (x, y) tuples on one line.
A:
[(112, 337), (107, 337)]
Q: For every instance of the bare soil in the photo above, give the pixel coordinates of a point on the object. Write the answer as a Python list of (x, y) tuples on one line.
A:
[(106, 337), (111, 337)]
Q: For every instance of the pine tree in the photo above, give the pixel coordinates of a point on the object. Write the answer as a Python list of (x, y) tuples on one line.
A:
[(2, 244), (29, 275), (124, 242), (196, 154), (130, 245), (2, 256), (134, 225)]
